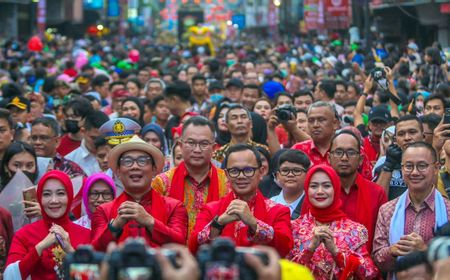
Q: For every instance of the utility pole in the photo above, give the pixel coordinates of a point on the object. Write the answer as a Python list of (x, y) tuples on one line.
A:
[(367, 26)]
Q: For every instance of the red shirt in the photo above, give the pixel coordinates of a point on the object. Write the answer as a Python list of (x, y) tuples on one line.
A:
[(312, 152), (6, 235), (23, 248), (67, 145), (273, 225), (172, 232), (316, 157), (369, 149), (282, 135), (367, 215)]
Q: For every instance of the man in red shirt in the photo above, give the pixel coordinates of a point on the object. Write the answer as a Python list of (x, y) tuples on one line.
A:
[(74, 113), (379, 120), (139, 210), (244, 215), (322, 123), (360, 197)]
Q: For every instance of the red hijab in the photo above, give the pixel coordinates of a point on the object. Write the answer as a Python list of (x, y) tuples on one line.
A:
[(65, 180), (334, 211)]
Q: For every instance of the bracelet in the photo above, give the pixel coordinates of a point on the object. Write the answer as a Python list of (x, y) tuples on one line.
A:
[(365, 94)]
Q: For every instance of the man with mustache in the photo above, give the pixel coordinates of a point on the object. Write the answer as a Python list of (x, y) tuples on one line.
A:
[(360, 197), (239, 122), (322, 124)]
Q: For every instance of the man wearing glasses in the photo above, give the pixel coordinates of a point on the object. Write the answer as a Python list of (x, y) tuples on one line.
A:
[(293, 165), (45, 139), (196, 181), (244, 215), (407, 223), (360, 197), (139, 211)]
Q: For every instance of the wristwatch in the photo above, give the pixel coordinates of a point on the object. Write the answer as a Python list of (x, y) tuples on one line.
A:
[(114, 229), (365, 94), (215, 224)]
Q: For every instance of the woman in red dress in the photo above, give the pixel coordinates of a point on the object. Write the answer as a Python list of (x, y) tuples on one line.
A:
[(331, 245), (37, 249)]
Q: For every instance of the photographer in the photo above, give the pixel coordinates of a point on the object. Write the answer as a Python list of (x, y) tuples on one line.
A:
[(289, 123), (379, 116)]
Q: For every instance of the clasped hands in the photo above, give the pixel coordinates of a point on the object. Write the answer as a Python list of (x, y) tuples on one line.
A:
[(51, 239), (238, 210), (128, 211), (322, 234), (407, 244)]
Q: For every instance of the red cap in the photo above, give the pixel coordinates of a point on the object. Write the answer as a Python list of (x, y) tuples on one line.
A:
[(120, 93)]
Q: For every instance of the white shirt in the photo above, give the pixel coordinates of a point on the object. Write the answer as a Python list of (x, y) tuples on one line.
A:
[(84, 158), (280, 200)]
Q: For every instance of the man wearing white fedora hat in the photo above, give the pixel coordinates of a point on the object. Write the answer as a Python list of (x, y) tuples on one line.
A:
[(139, 210)]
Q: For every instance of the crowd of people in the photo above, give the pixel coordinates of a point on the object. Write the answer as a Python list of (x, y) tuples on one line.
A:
[(316, 152)]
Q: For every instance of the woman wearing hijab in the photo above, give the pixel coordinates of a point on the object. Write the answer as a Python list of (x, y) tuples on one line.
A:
[(98, 189), (154, 135), (37, 249), (325, 240)]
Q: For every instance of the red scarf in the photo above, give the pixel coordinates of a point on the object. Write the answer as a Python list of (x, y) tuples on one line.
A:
[(334, 211), (257, 207), (153, 204), (177, 185)]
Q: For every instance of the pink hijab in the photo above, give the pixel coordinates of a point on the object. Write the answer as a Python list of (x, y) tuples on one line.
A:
[(90, 181)]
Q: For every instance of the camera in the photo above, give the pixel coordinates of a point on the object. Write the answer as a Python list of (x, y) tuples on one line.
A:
[(136, 261), (379, 76), (84, 263), (285, 112), (222, 260)]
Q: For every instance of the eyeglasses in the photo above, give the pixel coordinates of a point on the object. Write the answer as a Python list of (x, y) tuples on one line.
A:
[(236, 172), (294, 171), (191, 144), (42, 138), (339, 153), (141, 161), (105, 195), (421, 167)]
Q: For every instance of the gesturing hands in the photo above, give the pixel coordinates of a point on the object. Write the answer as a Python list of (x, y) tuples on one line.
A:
[(133, 211), (408, 244), (323, 234)]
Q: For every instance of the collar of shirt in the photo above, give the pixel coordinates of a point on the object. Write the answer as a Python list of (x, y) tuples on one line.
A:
[(316, 150), (280, 199), (198, 184), (428, 202), (84, 151)]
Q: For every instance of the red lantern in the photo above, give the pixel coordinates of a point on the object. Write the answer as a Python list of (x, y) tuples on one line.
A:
[(35, 44), (92, 30), (133, 55)]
